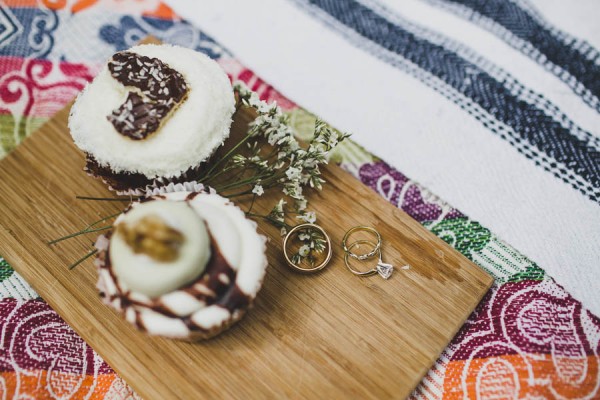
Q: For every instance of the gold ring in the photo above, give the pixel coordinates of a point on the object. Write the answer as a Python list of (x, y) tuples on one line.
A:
[(383, 269), (297, 267), (349, 253), (347, 249)]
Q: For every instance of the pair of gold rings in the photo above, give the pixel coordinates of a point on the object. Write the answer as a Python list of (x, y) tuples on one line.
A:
[(383, 269)]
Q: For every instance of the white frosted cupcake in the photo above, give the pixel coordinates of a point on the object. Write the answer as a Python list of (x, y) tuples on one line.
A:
[(182, 265), (153, 115)]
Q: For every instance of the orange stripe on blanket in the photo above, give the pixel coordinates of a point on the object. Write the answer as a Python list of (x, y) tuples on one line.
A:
[(21, 3), (521, 376), (42, 384), (149, 8), (163, 11)]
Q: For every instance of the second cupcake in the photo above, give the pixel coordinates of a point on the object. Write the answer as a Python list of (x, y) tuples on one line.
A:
[(153, 115)]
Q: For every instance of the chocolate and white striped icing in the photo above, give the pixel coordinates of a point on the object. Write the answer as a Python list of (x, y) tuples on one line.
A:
[(215, 299)]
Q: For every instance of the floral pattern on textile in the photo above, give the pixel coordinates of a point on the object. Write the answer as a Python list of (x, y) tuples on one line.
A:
[(43, 357), (5, 270), (406, 194), (34, 36), (33, 89), (528, 338), (131, 29)]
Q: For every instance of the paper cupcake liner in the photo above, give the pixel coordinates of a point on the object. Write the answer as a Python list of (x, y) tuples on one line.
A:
[(157, 188)]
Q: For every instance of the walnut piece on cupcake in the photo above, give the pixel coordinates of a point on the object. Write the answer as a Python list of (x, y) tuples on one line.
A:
[(152, 116), (183, 265)]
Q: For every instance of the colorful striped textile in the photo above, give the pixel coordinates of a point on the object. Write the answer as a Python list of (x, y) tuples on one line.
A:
[(529, 338)]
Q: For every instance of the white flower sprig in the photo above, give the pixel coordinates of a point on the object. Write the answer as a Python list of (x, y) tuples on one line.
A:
[(286, 165), (252, 171)]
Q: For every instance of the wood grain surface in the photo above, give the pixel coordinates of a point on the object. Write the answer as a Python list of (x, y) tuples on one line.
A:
[(328, 335)]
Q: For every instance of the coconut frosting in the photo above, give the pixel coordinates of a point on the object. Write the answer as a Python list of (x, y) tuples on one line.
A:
[(218, 297), (190, 134)]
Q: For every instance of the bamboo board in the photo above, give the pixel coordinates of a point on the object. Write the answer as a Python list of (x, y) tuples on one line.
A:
[(329, 335)]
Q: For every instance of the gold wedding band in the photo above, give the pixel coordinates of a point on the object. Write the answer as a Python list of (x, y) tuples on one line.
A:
[(348, 249), (297, 267), (348, 253)]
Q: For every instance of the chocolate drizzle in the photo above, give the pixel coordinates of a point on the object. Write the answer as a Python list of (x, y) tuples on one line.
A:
[(208, 287), (215, 286), (158, 88)]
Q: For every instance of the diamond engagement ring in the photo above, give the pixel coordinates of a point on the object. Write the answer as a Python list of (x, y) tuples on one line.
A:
[(384, 270)]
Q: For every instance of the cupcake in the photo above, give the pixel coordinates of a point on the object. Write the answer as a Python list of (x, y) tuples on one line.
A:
[(183, 265), (153, 115)]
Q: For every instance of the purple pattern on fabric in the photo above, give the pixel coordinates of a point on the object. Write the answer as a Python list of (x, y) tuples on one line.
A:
[(39, 339), (536, 317), (407, 195)]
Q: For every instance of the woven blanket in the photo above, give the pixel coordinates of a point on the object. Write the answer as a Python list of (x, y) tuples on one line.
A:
[(529, 338)]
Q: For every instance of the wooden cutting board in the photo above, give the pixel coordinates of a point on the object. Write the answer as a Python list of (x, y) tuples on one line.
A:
[(329, 335)]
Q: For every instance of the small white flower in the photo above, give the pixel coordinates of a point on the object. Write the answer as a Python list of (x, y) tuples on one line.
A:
[(310, 217), (293, 173), (333, 141), (293, 145), (280, 205), (301, 204), (309, 163), (258, 190), (304, 236), (304, 250)]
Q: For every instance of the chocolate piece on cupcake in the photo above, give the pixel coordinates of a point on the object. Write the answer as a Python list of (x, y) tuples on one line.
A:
[(182, 265), (152, 116)]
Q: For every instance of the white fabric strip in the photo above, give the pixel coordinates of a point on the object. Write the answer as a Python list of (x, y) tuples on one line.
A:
[(527, 71), (417, 130), (577, 17)]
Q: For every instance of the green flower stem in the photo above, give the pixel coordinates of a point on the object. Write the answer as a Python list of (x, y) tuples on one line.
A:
[(247, 181), (226, 156), (83, 232), (271, 220), (221, 172), (105, 198), (101, 220), (252, 204), (82, 259), (244, 193)]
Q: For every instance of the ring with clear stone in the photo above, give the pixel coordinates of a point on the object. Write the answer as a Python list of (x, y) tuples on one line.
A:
[(384, 270)]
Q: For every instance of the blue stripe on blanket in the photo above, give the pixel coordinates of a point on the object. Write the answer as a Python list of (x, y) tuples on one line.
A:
[(575, 62), (537, 135)]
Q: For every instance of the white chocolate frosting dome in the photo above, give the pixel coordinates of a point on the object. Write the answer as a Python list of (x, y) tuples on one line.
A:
[(210, 302), (186, 137), (146, 275)]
